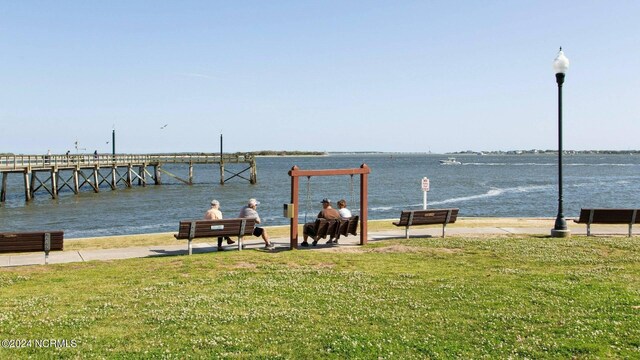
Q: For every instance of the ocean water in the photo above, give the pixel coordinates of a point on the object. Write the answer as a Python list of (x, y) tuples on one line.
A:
[(491, 185)]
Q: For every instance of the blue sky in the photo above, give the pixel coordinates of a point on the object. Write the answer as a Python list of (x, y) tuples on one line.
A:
[(406, 76)]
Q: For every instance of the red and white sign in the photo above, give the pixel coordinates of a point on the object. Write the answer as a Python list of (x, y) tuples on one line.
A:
[(425, 184)]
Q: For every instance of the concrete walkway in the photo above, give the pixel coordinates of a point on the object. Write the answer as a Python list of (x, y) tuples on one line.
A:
[(57, 257)]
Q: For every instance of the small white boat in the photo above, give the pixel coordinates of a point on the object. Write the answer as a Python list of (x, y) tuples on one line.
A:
[(450, 161)]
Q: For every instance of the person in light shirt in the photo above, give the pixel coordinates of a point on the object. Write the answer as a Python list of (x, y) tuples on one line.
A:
[(214, 213), (250, 212), (345, 214)]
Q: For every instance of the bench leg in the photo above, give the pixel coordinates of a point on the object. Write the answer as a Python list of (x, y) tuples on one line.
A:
[(239, 243), (189, 246), (47, 246), (443, 227), (588, 229), (406, 232), (630, 231)]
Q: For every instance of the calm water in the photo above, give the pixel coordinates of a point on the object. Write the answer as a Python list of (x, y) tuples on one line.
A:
[(506, 185)]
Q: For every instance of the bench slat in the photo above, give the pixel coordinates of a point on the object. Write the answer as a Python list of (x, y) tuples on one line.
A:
[(334, 228), (608, 216), (410, 218), (352, 226), (203, 228), (320, 228), (427, 217), (30, 241), (191, 229), (404, 218)]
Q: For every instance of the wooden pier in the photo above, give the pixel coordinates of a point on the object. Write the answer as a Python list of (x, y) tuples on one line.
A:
[(53, 173)]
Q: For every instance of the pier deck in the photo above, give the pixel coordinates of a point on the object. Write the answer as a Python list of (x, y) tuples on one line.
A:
[(52, 173)]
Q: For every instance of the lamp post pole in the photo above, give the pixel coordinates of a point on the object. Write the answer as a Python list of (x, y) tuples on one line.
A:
[(560, 66)]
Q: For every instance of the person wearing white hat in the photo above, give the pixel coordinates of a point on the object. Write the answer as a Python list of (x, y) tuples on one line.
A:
[(250, 212)]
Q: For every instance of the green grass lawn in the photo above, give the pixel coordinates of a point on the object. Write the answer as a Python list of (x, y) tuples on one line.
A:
[(458, 297)]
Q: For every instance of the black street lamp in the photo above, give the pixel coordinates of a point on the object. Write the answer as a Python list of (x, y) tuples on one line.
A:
[(560, 66)]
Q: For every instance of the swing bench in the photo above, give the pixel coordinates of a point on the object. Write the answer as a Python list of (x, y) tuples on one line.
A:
[(334, 228)]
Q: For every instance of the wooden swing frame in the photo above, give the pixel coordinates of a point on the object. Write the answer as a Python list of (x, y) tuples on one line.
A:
[(295, 174)]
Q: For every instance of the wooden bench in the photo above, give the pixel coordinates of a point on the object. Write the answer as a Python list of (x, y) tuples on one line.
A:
[(410, 218), (334, 228), (32, 241), (609, 216), (191, 229)]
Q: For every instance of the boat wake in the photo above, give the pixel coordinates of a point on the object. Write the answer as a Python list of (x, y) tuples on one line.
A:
[(494, 193)]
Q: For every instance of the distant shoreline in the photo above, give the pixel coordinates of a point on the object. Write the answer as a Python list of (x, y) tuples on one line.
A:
[(290, 155), (460, 153)]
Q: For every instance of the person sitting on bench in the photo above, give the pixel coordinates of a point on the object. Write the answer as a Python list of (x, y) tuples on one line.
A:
[(215, 214), (327, 212), (250, 212), (345, 214)]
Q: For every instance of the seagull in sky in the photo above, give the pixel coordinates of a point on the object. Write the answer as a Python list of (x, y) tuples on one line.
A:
[(163, 126)]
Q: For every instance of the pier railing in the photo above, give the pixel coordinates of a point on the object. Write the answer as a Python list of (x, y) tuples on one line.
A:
[(22, 162)]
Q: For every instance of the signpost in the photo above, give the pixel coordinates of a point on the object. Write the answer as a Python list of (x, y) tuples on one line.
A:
[(425, 189)]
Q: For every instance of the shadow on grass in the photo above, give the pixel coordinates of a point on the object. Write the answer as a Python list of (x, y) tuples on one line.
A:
[(426, 236)]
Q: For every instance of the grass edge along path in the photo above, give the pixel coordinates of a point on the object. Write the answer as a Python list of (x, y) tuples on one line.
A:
[(152, 239), (458, 297)]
